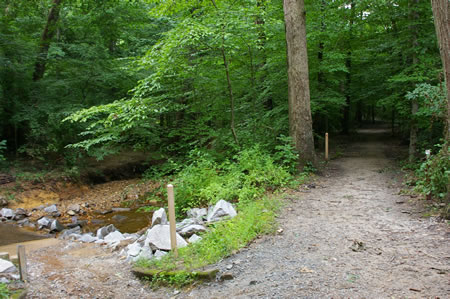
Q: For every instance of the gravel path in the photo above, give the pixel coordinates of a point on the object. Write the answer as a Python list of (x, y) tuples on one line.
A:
[(352, 236)]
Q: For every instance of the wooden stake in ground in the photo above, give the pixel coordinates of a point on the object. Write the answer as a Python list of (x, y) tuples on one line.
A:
[(326, 146), (22, 262), (172, 220)]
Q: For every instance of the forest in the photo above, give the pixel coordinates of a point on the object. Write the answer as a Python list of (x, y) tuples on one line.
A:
[(206, 81), (219, 111)]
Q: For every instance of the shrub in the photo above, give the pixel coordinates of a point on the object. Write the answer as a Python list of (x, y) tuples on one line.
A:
[(434, 174), (244, 178)]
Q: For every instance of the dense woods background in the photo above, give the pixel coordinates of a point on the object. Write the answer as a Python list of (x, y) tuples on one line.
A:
[(189, 78)]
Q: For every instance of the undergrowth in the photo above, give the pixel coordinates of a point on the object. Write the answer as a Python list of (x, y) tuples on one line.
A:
[(4, 291), (246, 179), (433, 179), (254, 218)]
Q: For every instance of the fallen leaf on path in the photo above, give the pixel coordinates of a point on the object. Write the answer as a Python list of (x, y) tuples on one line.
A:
[(306, 270)]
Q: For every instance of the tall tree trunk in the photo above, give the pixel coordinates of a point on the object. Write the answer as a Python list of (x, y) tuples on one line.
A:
[(300, 120), (320, 74), (414, 103), (348, 77), (47, 35), (230, 91), (441, 13)]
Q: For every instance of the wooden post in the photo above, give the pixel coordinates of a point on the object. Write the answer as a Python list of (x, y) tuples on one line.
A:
[(22, 262), (326, 146), (172, 220)]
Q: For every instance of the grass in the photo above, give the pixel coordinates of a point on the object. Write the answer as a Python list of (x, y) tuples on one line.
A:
[(4, 291), (254, 218)]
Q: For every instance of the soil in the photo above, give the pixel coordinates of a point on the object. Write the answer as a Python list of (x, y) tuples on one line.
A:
[(349, 234)]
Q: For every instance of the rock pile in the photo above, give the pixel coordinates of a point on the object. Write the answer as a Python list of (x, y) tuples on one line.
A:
[(155, 241)]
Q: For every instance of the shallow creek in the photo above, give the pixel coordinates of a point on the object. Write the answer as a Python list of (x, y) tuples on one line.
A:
[(10, 234)]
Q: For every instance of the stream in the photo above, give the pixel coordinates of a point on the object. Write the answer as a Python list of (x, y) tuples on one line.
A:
[(10, 234)]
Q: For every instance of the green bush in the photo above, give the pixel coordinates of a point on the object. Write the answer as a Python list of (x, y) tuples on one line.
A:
[(434, 174), (244, 178)]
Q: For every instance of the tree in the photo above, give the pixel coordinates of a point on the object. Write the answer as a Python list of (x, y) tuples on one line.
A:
[(300, 121), (47, 35), (441, 13)]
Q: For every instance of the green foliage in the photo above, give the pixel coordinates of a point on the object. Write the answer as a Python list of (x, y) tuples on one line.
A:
[(4, 291), (244, 178), (2, 150), (254, 218), (433, 175)]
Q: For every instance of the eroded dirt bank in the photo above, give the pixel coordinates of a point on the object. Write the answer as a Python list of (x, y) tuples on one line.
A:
[(352, 236)]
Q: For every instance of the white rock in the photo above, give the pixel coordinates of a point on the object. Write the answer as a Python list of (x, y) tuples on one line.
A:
[(192, 229), (44, 222), (66, 233), (159, 237), (7, 266), (221, 209), (159, 217), (146, 253), (104, 231), (7, 213), (159, 254), (87, 238), (51, 209), (134, 249), (114, 237), (56, 226), (74, 207), (197, 213), (185, 223), (194, 238)]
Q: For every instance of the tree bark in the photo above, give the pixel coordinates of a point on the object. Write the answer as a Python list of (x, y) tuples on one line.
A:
[(300, 120), (47, 35), (414, 103), (348, 77), (441, 13), (230, 91)]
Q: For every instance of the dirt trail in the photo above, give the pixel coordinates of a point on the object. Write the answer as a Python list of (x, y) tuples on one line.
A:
[(352, 236), (319, 255)]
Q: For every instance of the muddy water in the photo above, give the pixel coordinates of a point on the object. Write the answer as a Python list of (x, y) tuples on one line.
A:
[(12, 234), (131, 222)]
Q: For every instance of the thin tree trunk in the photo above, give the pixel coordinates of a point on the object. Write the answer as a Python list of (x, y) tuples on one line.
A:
[(414, 103), (441, 13), (230, 91), (300, 120), (348, 77), (47, 35), (230, 87)]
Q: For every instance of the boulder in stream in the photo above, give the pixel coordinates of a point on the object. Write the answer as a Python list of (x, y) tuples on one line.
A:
[(56, 226), (44, 222), (7, 213)]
